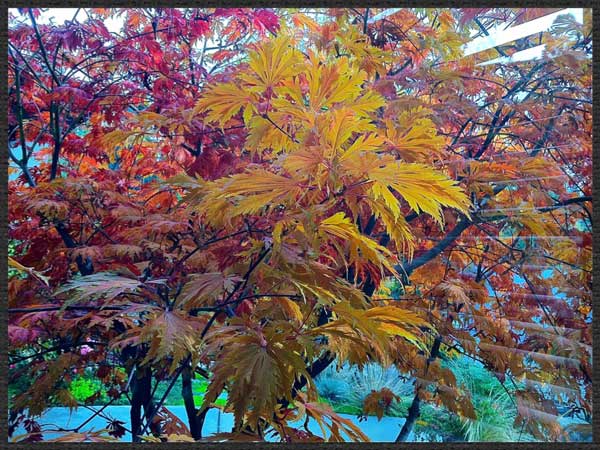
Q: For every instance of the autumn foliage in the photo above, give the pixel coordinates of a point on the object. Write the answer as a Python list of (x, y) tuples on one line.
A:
[(224, 193)]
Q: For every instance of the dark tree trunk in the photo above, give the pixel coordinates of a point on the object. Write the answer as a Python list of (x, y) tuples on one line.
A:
[(187, 393), (141, 397), (413, 414)]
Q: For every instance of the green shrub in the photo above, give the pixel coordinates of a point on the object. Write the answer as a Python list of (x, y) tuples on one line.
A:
[(174, 397), (83, 387), (12, 251), (495, 406), (345, 389)]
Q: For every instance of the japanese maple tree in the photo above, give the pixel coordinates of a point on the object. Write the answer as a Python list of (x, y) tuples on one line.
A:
[(228, 194)]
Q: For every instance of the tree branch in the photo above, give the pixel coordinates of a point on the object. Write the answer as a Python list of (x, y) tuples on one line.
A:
[(318, 366), (570, 201), (414, 409), (42, 48), (437, 249)]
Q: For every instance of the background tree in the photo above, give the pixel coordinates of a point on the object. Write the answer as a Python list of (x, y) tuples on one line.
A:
[(531, 192), (244, 180)]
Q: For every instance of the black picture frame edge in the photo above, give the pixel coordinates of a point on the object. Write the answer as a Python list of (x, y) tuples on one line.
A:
[(306, 3)]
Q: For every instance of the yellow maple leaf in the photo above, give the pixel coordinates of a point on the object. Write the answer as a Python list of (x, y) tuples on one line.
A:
[(272, 62), (414, 135), (368, 57), (223, 101), (247, 193), (331, 83), (395, 224), (424, 188), (263, 135), (361, 247), (369, 142), (356, 333)]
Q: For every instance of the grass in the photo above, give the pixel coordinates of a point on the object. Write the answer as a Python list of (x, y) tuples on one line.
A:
[(174, 397)]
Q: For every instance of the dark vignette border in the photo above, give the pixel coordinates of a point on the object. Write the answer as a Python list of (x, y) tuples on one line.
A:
[(291, 3)]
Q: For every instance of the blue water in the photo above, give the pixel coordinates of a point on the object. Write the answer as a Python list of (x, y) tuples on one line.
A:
[(385, 430)]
